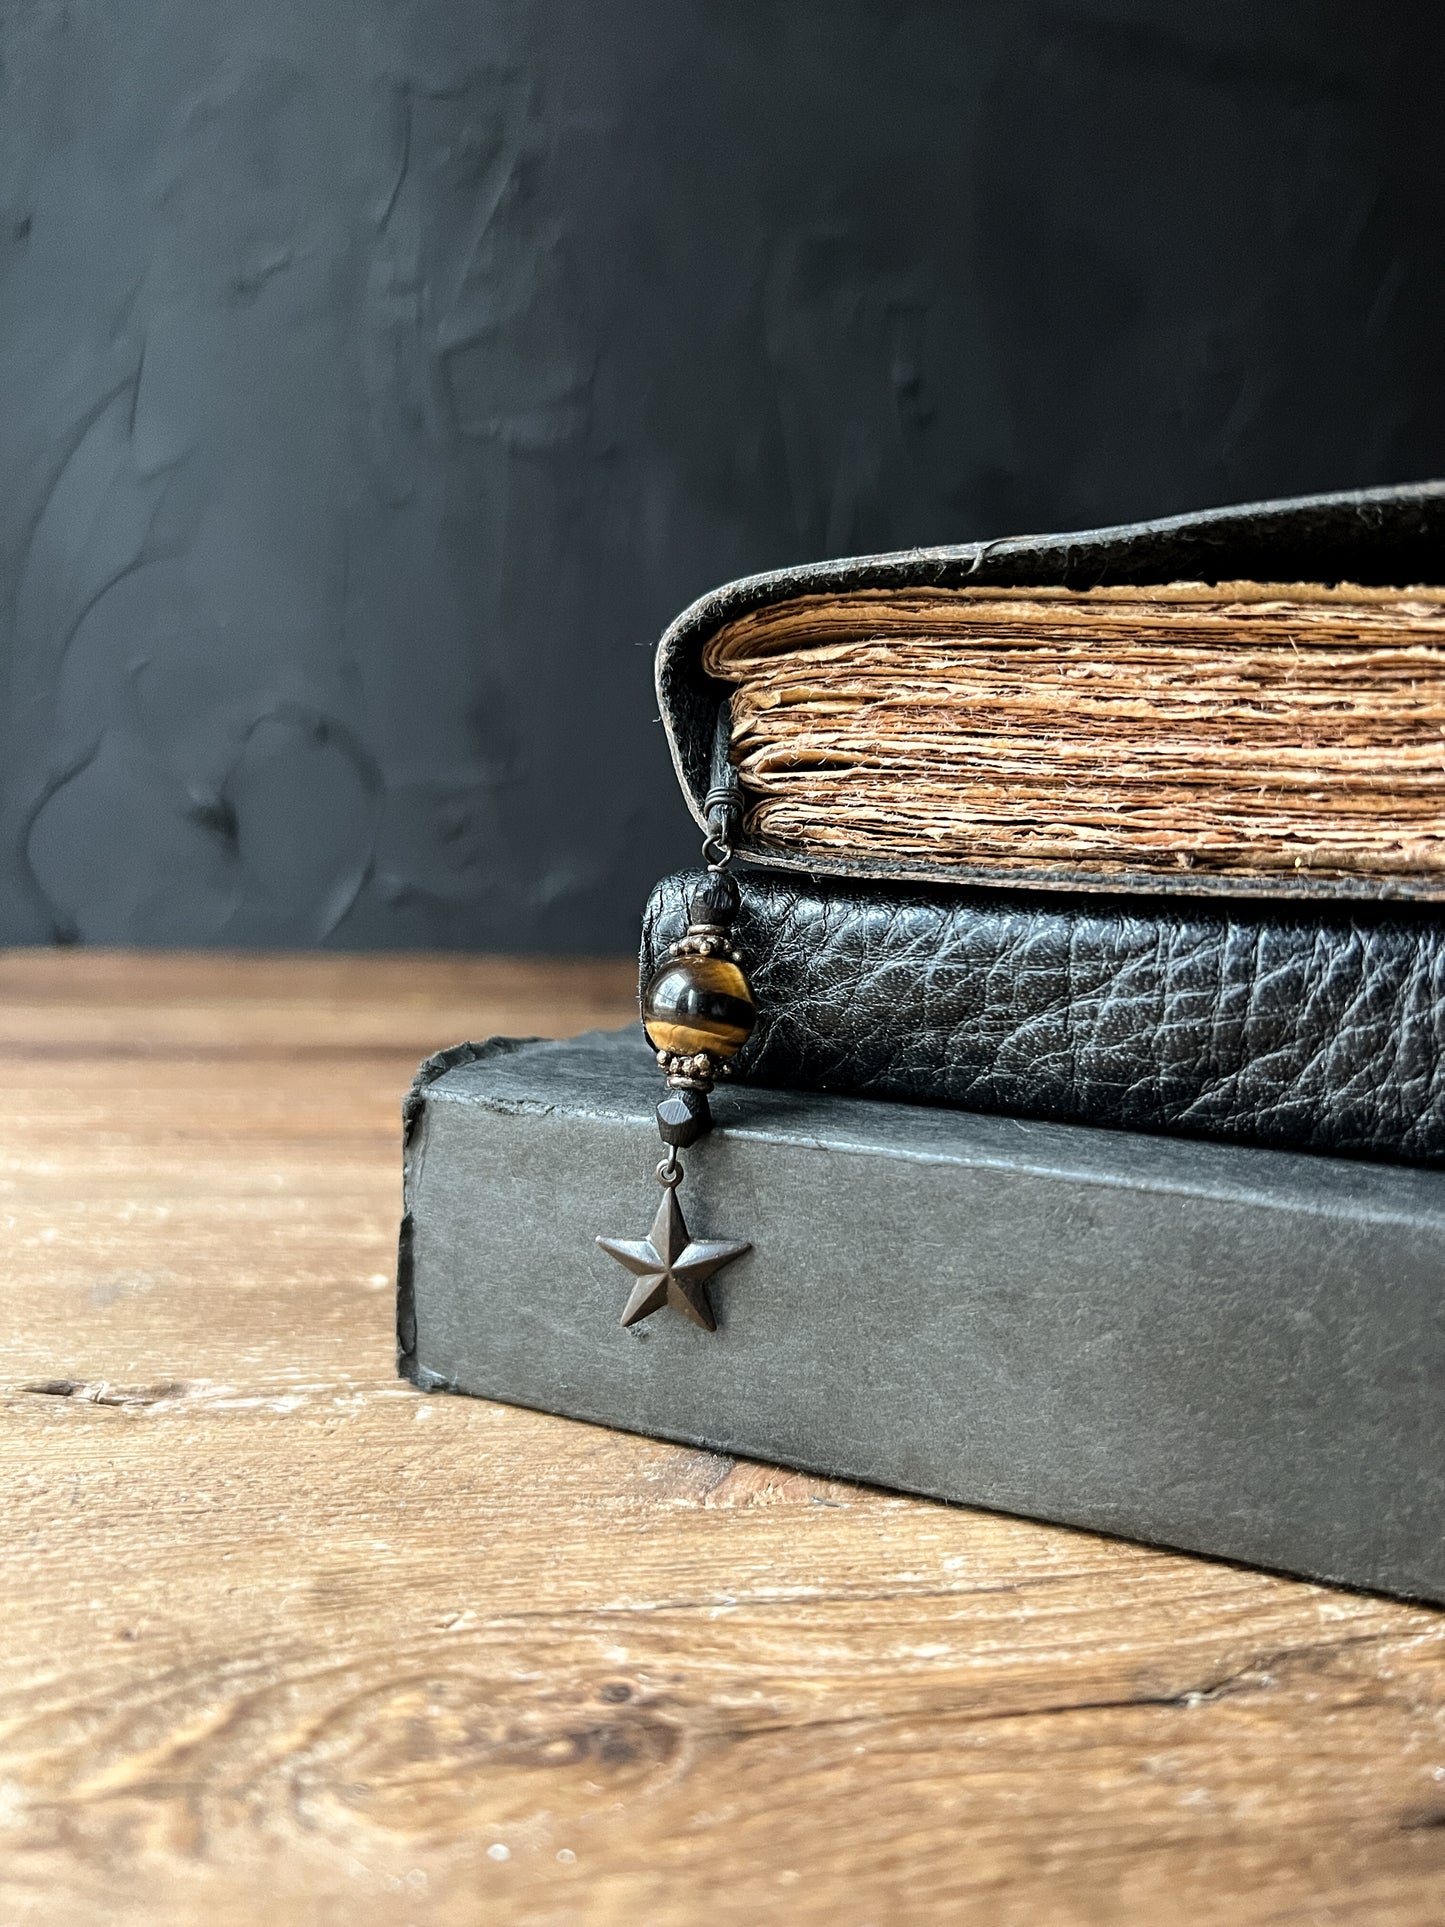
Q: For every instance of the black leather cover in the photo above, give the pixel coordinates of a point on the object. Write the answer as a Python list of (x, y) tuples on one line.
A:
[(1321, 1030), (1376, 537)]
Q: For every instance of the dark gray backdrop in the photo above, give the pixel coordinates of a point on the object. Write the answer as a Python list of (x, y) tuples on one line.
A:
[(378, 376)]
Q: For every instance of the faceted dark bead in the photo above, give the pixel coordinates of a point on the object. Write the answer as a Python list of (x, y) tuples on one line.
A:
[(697, 1004), (715, 900), (683, 1117)]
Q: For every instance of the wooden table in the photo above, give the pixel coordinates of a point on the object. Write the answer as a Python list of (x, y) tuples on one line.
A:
[(285, 1641)]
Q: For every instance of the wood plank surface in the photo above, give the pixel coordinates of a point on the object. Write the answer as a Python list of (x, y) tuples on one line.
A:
[(285, 1641)]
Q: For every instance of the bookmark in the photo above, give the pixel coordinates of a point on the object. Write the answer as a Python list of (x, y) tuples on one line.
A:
[(698, 1012)]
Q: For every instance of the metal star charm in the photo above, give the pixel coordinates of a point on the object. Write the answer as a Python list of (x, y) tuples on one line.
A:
[(671, 1267)]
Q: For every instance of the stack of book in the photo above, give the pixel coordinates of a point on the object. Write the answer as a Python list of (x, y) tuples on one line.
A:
[(1089, 1142)]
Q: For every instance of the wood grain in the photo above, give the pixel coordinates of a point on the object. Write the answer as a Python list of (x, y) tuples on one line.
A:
[(285, 1641)]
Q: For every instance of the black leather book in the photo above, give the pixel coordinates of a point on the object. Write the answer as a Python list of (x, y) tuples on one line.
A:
[(1295, 1011), (1289, 1025), (1292, 556)]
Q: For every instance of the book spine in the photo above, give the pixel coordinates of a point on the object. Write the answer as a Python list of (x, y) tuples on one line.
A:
[(1245, 1023), (1239, 1352)]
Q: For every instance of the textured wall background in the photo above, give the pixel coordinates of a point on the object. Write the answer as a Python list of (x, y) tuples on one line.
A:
[(378, 376)]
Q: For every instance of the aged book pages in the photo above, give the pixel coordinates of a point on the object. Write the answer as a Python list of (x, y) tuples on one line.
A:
[(1249, 728)]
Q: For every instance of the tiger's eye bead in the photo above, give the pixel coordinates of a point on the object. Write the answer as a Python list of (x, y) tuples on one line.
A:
[(697, 1004)]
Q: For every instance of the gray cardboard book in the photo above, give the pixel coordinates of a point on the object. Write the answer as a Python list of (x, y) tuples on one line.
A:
[(1238, 1352)]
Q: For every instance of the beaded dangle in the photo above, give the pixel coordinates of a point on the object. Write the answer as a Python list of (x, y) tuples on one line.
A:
[(698, 1012)]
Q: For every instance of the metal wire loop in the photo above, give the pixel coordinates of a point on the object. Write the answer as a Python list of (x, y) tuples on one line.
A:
[(670, 1172)]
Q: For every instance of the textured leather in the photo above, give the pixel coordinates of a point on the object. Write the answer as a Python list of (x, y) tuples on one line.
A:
[(1258, 1024), (1377, 537)]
